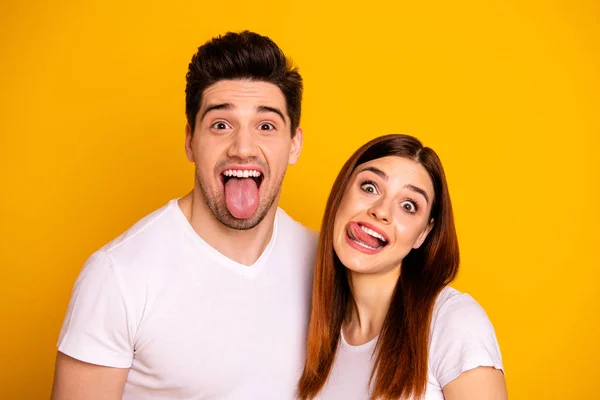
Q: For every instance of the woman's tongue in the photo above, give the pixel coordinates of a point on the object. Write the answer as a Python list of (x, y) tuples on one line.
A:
[(363, 236), (241, 196)]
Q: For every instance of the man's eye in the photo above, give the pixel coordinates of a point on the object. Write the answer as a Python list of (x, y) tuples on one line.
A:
[(265, 126), (369, 187), (220, 125)]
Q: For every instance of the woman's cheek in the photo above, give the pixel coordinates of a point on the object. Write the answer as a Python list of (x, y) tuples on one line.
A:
[(406, 233)]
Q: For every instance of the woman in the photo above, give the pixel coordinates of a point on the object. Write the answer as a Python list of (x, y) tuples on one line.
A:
[(384, 323)]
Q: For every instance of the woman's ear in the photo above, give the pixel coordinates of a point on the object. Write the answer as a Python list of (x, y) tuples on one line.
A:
[(423, 235)]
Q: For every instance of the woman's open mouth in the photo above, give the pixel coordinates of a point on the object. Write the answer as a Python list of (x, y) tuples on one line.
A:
[(365, 239)]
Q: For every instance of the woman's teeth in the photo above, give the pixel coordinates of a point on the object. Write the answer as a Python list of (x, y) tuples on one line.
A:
[(373, 233), (366, 246)]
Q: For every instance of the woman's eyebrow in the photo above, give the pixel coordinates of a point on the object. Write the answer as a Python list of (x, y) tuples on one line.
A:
[(417, 190), (376, 171), (384, 176)]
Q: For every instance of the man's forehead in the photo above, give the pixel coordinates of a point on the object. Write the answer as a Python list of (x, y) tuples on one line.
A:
[(244, 92)]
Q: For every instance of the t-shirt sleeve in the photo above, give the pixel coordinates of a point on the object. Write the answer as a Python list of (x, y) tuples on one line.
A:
[(95, 329), (462, 339)]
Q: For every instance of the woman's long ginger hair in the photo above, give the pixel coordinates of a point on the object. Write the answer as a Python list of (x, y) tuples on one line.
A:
[(400, 369)]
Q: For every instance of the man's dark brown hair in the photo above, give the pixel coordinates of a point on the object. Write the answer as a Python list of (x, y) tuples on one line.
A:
[(244, 55)]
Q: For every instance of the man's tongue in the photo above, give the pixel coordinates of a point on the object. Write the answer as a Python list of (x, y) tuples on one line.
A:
[(363, 236), (241, 196)]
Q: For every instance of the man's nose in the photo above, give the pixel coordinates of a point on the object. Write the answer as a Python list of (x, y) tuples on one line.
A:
[(243, 145)]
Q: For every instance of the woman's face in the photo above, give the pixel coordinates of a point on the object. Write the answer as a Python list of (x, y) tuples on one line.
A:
[(384, 214)]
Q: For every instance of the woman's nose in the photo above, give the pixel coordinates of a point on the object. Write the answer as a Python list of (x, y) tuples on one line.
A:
[(381, 212)]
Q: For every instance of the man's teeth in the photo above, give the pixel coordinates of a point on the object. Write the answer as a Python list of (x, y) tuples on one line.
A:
[(239, 173), (373, 233)]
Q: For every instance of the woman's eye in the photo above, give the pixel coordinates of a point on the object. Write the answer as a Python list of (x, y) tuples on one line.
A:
[(409, 206), (369, 187), (265, 126), (220, 125)]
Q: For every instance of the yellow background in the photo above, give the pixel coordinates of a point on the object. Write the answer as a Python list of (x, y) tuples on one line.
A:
[(92, 134)]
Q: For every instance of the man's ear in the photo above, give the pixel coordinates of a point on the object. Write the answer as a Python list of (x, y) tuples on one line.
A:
[(188, 143), (423, 235), (296, 147)]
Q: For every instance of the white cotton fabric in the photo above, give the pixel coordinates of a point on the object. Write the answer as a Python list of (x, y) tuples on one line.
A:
[(189, 322), (462, 338)]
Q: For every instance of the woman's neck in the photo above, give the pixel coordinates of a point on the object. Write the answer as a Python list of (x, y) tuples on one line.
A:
[(368, 307)]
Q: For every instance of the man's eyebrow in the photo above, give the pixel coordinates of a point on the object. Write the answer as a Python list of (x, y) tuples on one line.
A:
[(222, 106), (376, 171), (418, 190), (267, 109)]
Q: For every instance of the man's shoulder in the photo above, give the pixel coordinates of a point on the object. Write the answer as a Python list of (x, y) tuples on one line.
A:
[(290, 228), (150, 232)]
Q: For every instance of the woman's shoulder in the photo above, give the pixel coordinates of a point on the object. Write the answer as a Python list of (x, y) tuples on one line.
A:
[(461, 337), (454, 307), (459, 321)]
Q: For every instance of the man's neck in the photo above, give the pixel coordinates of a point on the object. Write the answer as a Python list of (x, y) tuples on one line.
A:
[(371, 297), (242, 246)]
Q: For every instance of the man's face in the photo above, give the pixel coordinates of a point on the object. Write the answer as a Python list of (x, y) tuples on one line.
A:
[(241, 147)]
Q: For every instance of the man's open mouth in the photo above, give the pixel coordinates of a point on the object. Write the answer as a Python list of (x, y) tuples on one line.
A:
[(253, 174), (242, 191)]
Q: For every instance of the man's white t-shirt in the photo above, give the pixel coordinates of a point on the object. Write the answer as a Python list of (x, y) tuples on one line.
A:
[(189, 322), (461, 338)]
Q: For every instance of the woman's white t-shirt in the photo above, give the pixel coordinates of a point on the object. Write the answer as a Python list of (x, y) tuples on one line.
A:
[(461, 338)]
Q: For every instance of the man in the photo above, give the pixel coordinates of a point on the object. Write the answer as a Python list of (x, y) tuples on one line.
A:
[(207, 297)]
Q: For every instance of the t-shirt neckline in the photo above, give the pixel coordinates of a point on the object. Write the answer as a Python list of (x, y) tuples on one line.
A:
[(207, 249), (370, 345)]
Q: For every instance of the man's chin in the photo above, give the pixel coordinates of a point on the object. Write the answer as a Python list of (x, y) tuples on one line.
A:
[(221, 212), (241, 224), (225, 217)]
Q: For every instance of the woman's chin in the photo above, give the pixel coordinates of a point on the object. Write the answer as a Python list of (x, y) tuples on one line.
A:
[(357, 263)]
